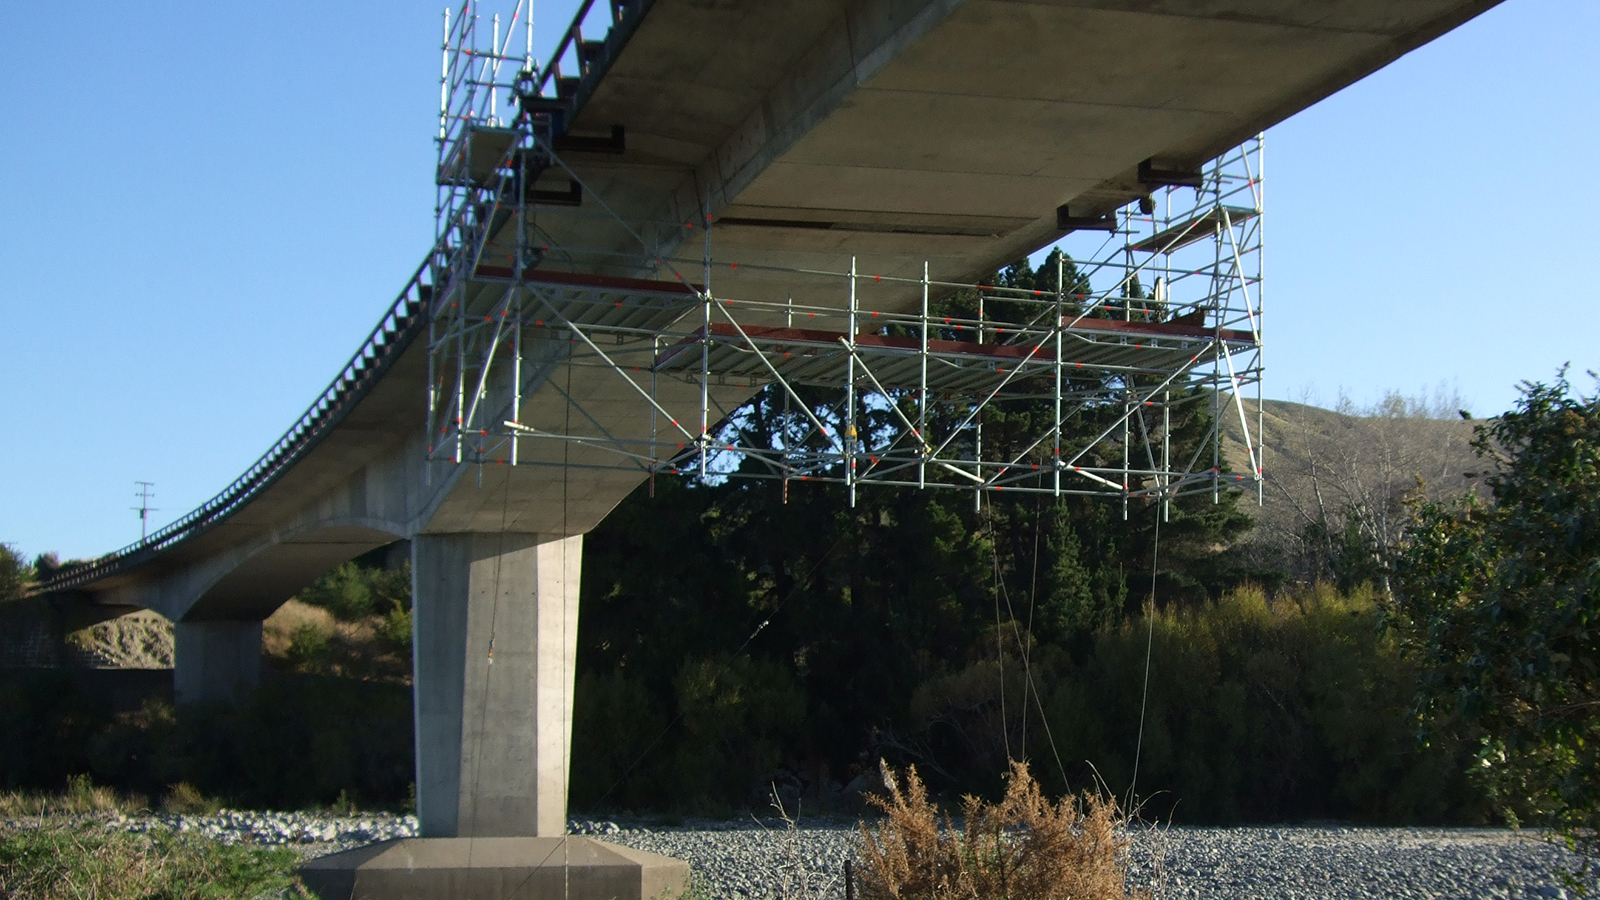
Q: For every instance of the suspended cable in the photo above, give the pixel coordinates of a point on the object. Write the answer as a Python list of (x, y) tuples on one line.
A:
[(1149, 646), (1025, 641)]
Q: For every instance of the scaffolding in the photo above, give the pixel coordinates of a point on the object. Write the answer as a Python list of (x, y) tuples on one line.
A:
[(1074, 388)]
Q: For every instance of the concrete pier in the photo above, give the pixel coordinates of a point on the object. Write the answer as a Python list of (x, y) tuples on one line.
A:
[(495, 622), (215, 661), (494, 630)]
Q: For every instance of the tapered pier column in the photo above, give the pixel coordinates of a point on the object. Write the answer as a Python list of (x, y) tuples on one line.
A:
[(215, 661), (494, 628), (495, 619)]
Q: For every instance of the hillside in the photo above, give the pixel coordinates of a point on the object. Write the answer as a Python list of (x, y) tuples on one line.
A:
[(1321, 464)]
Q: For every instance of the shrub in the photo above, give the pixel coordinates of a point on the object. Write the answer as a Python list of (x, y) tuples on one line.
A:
[(353, 592), (185, 798), (616, 724), (1499, 603), (294, 742), (394, 629), (47, 720), (1263, 711), (738, 715), (1023, 848), (308, 647), (1258, 710)]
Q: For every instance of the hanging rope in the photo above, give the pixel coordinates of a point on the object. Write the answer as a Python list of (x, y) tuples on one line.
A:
[(566, 738), (488, 675), (1024, 640), (566, 664), (999, 648), (1149, 646)]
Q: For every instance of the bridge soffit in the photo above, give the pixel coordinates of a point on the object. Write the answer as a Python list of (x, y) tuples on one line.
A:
[(249, 583), (862, 40), (867, 36)]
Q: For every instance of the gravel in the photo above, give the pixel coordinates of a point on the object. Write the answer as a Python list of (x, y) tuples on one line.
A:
[(1291, 863), (765, 859)]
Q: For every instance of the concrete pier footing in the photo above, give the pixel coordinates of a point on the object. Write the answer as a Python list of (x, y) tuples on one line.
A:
[(215, 661), (571, 868)]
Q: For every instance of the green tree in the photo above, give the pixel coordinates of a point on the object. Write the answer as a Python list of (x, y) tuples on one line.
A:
[(1501, 602), (15, 575)]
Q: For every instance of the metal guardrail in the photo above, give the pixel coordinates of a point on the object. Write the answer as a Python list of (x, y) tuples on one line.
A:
[(625, 17), (401, 324)]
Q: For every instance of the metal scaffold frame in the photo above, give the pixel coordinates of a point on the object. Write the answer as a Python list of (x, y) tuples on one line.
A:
[(1167, 314)]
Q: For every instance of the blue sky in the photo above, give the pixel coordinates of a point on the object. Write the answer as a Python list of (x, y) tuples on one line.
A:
[(204, 209)]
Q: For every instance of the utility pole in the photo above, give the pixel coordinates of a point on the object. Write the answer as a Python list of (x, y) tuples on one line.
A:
[(144, 509)]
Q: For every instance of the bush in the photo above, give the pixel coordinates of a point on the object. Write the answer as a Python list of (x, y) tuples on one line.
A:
[(1022, 848), (1499, 603), (47, 719), (1263, 711), (616, 726), (293, 743), (186, 799), (1258, 711), (308, 647), (353, 591), (345, 592), (738, 717)]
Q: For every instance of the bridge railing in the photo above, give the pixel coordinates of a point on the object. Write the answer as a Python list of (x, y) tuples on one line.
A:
[(387, 340), (588, 58)]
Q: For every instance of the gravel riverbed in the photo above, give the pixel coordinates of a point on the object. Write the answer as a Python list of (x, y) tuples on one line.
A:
[(751, 860)]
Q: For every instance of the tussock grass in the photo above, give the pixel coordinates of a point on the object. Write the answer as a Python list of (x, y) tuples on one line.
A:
[(1024, 847), (82, 797), (187, 799), (57, 861)]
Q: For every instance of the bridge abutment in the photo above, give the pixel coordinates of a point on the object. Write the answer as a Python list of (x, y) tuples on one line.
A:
[(215, 661), (495, 621)]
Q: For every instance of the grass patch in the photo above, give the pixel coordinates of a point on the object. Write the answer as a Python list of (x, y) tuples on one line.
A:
[(186, 799), (58, 861), (82, 797), (1024, 847)]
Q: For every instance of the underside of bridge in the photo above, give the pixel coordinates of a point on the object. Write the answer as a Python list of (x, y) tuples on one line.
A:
[(691, 204)]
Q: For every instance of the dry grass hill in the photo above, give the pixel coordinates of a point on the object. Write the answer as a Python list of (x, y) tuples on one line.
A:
[(1350, 466)]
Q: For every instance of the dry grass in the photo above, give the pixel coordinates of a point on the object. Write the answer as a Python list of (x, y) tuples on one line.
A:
[(796, 878), (303, 638), (186, 799), (1023, 848), (82, 797), (277, 632)]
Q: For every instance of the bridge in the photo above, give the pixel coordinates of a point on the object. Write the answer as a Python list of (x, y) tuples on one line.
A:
[(689, 203)]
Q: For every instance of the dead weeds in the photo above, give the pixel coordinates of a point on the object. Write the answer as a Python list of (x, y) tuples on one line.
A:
[(1024, 847)]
